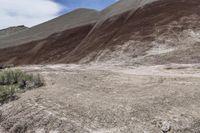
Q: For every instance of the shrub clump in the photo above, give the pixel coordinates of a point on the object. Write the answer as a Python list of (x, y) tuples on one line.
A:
[(16, 81)]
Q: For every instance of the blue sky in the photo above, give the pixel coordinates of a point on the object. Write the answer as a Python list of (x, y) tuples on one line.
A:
[(94, 4), (33, 12)]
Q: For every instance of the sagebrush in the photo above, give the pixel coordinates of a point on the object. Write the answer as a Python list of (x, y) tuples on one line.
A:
[(16, 81)]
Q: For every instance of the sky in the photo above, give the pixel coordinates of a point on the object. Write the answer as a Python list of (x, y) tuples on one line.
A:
[(94, 4), (33, 12)]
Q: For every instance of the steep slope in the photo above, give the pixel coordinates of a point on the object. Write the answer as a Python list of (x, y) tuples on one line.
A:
[(123, 6), (73, 19), (11, 30), (164, 31), (48, 50), (129, 32)]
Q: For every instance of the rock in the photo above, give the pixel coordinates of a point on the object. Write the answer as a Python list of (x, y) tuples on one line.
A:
[(165, 126)]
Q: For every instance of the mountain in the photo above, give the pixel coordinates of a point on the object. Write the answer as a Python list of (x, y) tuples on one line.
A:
[(73, 19), (128, 32)]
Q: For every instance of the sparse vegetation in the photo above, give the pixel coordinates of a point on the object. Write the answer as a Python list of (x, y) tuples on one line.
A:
[(16, 81)]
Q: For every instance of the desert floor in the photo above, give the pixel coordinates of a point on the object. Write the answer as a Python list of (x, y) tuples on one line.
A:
[(108, 99)]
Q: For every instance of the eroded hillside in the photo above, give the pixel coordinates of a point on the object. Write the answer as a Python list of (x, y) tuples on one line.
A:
[(49, 50), (160, 32), (165, 31)]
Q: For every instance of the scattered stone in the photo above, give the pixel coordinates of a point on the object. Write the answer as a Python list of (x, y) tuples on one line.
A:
[(165, 126)]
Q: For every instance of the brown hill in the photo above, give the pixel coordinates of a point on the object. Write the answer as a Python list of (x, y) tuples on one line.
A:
[(128, 32), (71, 20), (162, 32), (49, 50)]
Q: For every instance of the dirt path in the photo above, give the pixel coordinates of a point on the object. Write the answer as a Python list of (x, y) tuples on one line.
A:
[(105, 99)]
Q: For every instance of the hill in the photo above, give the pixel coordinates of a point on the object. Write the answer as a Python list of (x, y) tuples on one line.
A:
[(161, 32), (70, 20), (128, 32)]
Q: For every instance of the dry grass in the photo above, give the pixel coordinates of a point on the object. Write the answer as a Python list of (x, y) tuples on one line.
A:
[(16, 81)]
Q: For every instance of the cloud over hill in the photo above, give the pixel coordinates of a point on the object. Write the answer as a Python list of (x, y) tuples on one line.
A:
[(27, 12)]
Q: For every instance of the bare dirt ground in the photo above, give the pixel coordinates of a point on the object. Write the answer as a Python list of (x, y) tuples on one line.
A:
[(108, 99)]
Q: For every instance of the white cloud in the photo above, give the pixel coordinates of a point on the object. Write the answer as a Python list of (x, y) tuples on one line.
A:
[(27, 12)]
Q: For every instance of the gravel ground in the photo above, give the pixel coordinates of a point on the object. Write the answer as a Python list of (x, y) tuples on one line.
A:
[(108, 99)]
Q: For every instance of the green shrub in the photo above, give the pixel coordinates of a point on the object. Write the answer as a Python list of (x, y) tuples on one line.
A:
[(7, 93), (16, 81)]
